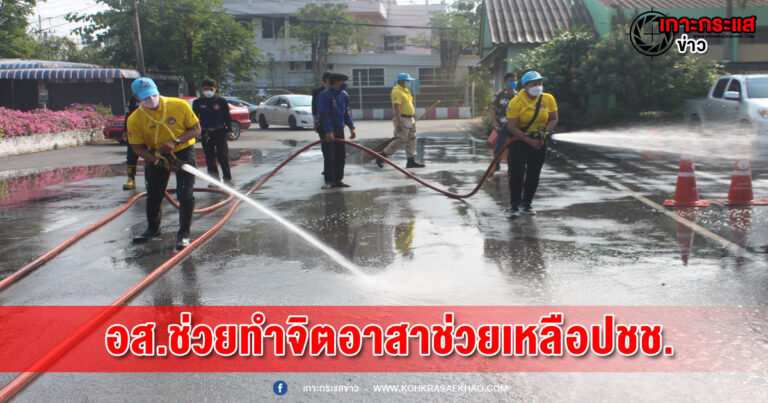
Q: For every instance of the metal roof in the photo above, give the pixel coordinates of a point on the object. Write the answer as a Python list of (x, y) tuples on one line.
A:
[(66, 74), (42, 64), (668, 4), (533, 21)]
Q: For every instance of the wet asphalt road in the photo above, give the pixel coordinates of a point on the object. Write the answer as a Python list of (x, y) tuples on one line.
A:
[(590, 244)]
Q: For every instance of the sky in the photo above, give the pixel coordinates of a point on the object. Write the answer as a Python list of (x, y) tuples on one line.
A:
[(52, 14)]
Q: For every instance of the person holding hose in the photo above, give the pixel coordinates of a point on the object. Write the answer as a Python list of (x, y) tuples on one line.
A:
[(404, 119), (164, 125), (531, 111)]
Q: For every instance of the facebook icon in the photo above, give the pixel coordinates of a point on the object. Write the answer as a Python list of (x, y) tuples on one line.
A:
[(280, 388)]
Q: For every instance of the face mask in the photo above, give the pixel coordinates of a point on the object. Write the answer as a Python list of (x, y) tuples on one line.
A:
[(208, 94), (512, 84), (343, 87), (151, 102), (535, 91)]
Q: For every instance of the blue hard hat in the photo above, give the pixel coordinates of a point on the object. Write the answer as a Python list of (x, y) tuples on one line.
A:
[(404, 76), (531, 76), (144, 88)]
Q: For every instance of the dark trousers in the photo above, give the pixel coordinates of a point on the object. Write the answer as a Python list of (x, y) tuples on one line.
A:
[(323, 145), (185, 183), (334, 158), (525, 164), (215, 147), (131, 158)]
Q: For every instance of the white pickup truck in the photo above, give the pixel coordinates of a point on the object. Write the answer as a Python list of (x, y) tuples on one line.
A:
[(740, 100)]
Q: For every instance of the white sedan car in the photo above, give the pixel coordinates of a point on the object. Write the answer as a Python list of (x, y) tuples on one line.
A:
[(286, 110)]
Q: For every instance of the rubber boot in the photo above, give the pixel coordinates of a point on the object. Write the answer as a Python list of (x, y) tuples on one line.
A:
[(131, 183), (379, 161), (413, 164)]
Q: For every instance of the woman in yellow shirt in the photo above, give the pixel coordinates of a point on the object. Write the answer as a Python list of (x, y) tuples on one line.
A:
[(526, 154)]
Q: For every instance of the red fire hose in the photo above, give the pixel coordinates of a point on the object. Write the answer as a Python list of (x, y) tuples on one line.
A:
[(49, 358)]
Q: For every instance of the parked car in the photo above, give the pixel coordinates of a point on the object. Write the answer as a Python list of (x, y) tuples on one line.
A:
[(239, 114), (251, 107), (286, 110), (265, 93), (736, 100), (113, 129)]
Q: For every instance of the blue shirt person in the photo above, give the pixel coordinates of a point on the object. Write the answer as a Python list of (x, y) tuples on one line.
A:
[(333, 114)]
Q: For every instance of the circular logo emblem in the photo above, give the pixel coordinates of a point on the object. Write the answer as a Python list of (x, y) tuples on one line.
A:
[(216, 107), (171, 121), (645, 36), (280, 388)]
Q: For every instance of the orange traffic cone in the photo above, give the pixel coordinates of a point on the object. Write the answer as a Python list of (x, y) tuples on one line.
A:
[(684, 233), (740, 193), (686, 193)]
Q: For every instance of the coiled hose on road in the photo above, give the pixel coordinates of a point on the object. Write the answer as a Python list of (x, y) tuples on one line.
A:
[(49, 358)]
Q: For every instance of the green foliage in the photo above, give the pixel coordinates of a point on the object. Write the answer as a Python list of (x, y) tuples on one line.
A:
[(454, 32), (602, 81), (312, 28), (16, 43), (560, 61), (193, 38)]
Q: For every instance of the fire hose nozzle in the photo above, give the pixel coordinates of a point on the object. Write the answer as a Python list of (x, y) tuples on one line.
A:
[(543, 135), (170, 158)]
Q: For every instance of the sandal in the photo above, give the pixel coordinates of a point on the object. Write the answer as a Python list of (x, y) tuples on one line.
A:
[(342, 185), (326, 186)]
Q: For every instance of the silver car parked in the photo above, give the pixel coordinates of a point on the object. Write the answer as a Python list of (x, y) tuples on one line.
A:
[(291, 110)]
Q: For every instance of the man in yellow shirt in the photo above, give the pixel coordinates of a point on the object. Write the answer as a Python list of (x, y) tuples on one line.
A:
[(164, 125), (531, 111), (404, 121)]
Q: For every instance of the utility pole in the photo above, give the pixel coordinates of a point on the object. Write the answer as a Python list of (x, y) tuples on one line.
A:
[(137, 40)]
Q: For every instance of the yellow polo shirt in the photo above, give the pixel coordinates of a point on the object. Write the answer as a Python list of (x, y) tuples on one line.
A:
[(154, 127), (521, 107), (401, 95)]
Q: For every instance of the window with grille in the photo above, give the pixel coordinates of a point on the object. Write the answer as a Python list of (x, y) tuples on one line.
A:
[(367, 77), (394, 42), (271, 27), (435, 76)]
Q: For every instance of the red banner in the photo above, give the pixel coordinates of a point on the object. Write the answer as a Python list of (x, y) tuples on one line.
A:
[(382, 339)]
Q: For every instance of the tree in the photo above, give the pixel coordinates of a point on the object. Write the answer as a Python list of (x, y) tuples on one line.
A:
[(605, 80), (560, 61), (323, 26), (194, 38), (15, 42), (454, 33)]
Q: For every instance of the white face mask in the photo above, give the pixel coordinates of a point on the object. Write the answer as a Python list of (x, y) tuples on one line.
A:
[(208, 94), (535, 91), (152, 102)]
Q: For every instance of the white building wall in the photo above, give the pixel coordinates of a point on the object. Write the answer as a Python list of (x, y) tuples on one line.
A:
[(282, 51)]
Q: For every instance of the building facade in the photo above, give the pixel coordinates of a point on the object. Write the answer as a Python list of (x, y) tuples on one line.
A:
[(372, 71)]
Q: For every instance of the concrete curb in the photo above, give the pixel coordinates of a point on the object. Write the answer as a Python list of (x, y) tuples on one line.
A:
[(45, 142), (452, 112)]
